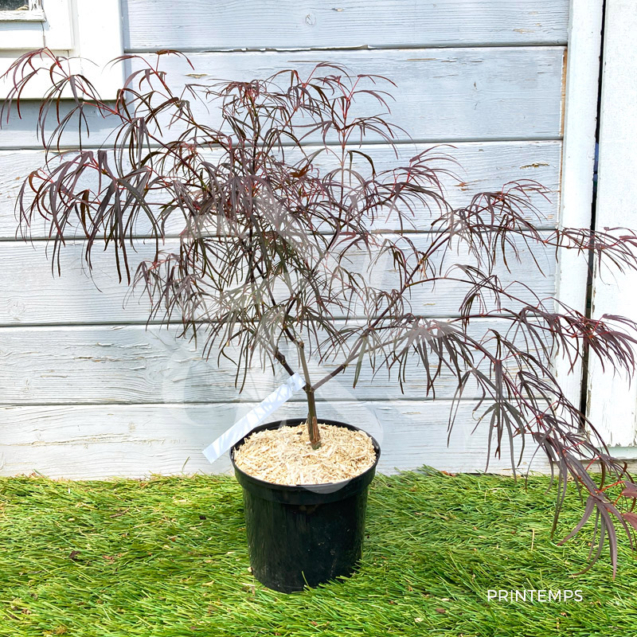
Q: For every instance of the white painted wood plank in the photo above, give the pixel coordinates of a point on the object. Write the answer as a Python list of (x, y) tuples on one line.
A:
[(116, 364), (20, 132), (580, 121), (33, 296), (97, 442), (16, 35), (482, 167), (225, 24), (459, 94), (612, 399)]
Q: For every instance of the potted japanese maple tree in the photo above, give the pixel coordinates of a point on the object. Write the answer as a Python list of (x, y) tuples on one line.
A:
[(283, 219)]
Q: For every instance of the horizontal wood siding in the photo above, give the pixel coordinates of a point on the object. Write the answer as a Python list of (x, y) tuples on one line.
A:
[(34, 296), (135, 440), (480, 167), (255, 24), (131, 364), (444, 94), (87, 392), (441, 94)]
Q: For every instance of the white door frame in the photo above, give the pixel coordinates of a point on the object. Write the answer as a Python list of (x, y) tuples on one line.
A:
[(612, 400), (582, 60)]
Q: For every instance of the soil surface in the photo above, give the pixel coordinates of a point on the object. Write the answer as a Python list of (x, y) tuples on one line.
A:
[(285, 455)]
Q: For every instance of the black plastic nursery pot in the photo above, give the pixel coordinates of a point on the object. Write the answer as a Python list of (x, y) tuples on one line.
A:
[(307, 534)]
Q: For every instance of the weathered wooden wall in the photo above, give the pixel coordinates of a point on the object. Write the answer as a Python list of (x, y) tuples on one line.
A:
[(87, 391)]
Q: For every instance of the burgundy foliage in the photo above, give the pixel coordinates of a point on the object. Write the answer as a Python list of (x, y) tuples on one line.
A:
[(275, 204)]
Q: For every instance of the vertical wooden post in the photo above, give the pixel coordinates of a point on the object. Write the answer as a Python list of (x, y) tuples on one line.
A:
[(581, 90), (612, 399)]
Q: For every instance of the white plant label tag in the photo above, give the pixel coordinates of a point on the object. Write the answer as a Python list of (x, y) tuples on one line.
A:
[(254, 418)]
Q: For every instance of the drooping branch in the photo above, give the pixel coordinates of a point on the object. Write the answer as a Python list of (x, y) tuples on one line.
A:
[(277, 213)]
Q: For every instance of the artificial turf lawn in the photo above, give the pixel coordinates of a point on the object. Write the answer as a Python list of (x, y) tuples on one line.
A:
[(168, 556)]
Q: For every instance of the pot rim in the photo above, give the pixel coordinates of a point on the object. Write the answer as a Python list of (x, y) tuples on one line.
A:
[(292, 488)]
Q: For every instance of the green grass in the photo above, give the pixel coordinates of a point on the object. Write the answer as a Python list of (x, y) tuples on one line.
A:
[(168, 557)]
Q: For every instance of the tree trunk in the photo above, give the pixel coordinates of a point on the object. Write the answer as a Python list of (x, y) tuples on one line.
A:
[(312, 424)]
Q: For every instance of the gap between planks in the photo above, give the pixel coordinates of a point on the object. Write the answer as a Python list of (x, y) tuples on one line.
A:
[(362, 47)]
